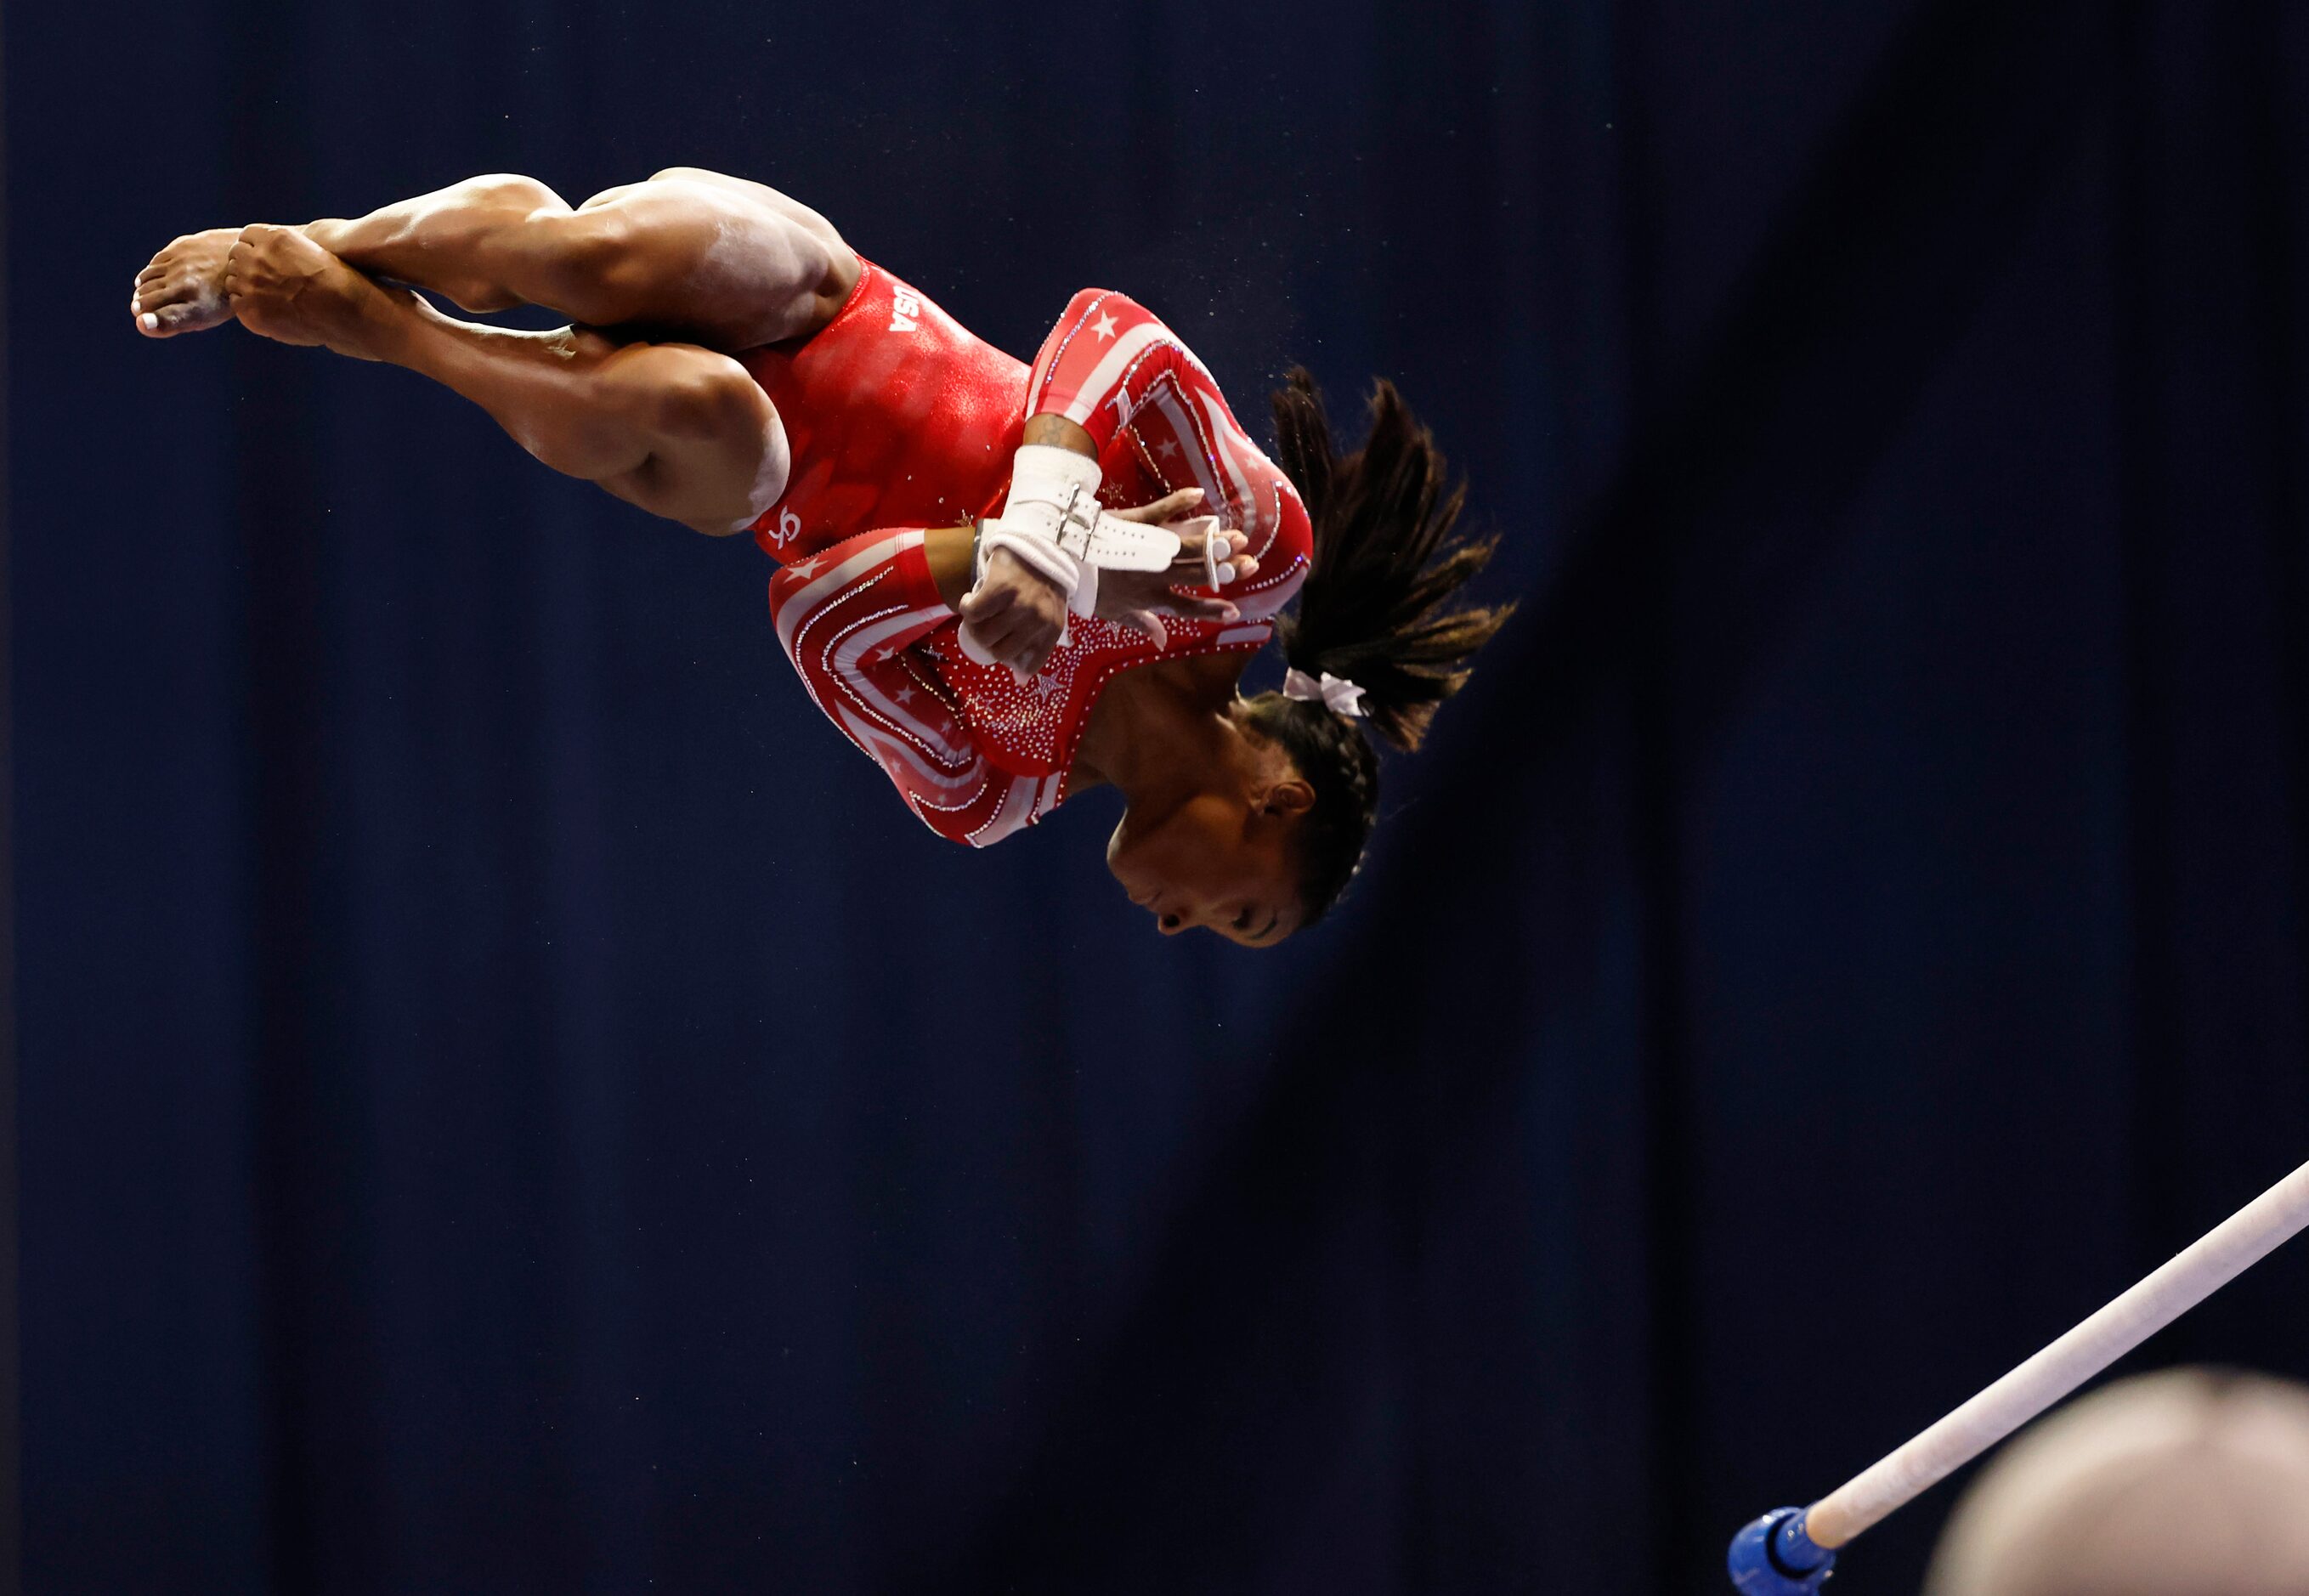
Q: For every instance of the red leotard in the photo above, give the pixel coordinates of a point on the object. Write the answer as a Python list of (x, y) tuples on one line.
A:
[(900, 419), (896, 416)]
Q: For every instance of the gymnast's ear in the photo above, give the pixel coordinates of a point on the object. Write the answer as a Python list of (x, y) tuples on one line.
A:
[(1290, 795)]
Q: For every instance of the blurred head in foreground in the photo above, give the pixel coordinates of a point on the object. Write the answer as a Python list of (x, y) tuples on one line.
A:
[(2185, 1483)]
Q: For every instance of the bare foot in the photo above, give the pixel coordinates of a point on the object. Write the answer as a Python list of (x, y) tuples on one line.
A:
[(182, 291), (286, 288)]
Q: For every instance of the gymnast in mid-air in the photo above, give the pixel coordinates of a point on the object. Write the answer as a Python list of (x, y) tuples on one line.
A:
[(1007, 585)]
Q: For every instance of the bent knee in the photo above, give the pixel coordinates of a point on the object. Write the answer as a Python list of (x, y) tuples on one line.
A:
[(742, 443), (510, 191), (597, 261), (708, 398), (721, 451)]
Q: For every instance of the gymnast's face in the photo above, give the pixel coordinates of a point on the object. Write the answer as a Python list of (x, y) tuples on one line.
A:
[(1220, 860)]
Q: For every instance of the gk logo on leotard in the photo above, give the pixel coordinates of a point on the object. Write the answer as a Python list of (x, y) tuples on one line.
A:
[(903, 308), (789, 528)]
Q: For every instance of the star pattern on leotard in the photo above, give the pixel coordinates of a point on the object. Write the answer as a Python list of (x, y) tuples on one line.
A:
[(1104, 326)]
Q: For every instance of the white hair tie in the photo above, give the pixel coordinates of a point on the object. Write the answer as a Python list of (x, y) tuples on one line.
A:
[(1336, 693)]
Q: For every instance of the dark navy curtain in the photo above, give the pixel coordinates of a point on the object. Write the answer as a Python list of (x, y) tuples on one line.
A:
[(511, 1101)]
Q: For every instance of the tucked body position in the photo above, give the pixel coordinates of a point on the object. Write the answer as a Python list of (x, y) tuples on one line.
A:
[(1008, 584)]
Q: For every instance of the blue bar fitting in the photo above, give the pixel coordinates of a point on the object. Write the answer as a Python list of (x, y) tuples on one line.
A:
[(1774, 1556)]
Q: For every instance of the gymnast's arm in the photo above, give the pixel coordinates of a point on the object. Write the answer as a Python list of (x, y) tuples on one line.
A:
[(949, 551), (1017, 615), (847, 618), (1112, 365)]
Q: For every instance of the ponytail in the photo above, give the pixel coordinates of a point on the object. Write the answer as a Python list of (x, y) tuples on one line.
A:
[(1376, 609)]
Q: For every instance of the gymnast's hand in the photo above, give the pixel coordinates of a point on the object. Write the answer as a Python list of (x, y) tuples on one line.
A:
[(1015, 614), (1139, 599)]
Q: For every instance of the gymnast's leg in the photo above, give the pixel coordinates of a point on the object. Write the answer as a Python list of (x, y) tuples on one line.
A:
[(680, 430), (711, 260)]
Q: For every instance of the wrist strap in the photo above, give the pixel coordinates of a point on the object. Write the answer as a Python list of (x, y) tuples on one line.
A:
[(1051, 523), (1039, 556)]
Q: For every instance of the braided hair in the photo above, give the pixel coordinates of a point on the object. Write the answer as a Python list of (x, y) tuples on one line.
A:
[(1376, 609)]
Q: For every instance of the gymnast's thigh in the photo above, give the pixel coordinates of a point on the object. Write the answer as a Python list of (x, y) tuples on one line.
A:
[(714, 260)]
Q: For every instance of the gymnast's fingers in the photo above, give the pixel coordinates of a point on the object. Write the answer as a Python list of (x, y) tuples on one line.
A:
[(982, 603), (999, 636), (1193, 607), (1166, 508), (1194, 533), (1150, 624), (1035, 654), (1204, 529), (1003, 641), (1226, 545), (1021, 637)]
